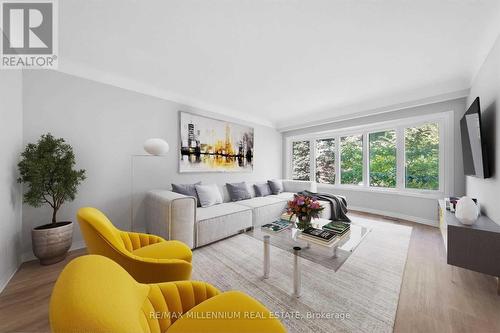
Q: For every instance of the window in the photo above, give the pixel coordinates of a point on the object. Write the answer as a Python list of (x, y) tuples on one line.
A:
[(382, 150), (351, 159), (325, 161), (301, 160), (422, 157), (409, 156)]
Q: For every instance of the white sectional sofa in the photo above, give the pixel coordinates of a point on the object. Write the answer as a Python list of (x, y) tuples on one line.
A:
[(175, 216)]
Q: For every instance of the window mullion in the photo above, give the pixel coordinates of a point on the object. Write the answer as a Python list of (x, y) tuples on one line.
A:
[(337, 160), (366, 161), (400, 158), (312, 161)]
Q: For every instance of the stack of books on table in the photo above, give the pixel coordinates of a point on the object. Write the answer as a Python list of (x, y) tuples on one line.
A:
[(318, 236), (276, 226), (340, 228)]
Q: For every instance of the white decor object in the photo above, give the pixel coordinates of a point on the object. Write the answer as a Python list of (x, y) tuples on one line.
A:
[(156, 146), (467, 211), (314, 187)]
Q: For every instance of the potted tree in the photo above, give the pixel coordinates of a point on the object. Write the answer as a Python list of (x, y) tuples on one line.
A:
[(47, 168)]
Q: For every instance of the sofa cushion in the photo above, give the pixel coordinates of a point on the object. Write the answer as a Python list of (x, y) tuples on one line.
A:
[(238, 191), (262, 190), (209, 195), (165, 250), (276, 186), (259, 201), (227, 208), (265, 209), (187, 189), (221, 221)]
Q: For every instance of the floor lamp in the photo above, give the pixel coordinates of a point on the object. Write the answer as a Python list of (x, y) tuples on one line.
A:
[(154, 147)]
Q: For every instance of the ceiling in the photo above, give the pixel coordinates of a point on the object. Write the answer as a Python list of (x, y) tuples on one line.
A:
[(283, 63)]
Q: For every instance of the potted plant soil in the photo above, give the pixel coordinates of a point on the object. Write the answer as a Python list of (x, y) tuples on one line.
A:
[(47, 170)]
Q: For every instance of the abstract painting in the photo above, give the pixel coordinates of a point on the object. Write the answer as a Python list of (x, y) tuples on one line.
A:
[(212, 145)]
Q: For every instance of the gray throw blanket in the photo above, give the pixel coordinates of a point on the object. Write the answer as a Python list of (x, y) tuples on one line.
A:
[(338, 204)]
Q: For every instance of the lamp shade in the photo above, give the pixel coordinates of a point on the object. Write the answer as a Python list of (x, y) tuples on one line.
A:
[(156, 146)]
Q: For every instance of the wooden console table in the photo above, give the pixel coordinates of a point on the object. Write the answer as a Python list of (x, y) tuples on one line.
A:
[(475, 247)]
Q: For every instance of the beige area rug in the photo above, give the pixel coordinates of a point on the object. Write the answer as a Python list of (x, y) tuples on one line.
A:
[(362, 296)]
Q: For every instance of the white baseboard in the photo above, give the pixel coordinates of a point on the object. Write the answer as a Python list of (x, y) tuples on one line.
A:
[(4, 283), (28, 256), (432, 223)]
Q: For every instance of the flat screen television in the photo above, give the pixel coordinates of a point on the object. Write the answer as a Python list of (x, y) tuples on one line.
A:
[(473, 143)]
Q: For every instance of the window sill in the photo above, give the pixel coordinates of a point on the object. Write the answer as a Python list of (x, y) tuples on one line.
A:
[(409, 193)]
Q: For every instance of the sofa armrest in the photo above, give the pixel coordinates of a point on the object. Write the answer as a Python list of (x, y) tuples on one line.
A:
[(295, 185), (171, 216)]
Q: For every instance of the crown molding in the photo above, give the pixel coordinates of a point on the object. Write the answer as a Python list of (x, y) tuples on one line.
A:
[(347, 113), (93, 74)]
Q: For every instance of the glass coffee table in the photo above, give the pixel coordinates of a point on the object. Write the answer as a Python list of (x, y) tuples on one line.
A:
[(331, 256)]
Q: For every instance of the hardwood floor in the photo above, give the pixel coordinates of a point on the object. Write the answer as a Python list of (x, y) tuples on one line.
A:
[(435, 297)]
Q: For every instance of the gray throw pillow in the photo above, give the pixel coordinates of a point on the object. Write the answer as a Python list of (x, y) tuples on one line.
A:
[(209, 195), (261, 190), (238, 191), (187, 189), (276, 186)]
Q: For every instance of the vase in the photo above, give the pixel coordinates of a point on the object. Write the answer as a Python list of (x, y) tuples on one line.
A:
[(303, 222), (466, 211), (51, 242)]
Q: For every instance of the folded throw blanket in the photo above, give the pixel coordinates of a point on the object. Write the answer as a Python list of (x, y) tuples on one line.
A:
[(338, 204)]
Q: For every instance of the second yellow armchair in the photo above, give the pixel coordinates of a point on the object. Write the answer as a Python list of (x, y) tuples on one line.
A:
[(147, 258), (95, 295)]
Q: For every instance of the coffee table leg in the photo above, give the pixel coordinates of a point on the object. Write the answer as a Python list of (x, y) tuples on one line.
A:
[(267, 259), (335, 252), (296, 272)]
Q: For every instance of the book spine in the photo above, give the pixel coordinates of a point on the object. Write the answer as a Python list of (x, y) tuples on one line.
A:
[(315, 241), (319, 239)]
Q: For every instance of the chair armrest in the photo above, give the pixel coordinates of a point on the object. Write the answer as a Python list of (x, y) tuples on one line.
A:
[(151, 270), (181, 296), (143, 269), (171, 215), (136, 240), (244, 315)]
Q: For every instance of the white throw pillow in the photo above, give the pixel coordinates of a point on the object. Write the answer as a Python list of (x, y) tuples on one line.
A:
[(209, 195)]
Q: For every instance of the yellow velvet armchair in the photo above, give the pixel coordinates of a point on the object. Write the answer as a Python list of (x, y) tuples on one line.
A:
[(94, 294), (147, 258)]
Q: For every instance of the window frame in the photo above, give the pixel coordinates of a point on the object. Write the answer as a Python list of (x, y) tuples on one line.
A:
[(445, 122)]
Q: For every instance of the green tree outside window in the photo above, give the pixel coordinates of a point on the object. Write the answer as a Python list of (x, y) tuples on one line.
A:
[(422, 157), (383, 159), (351, 152)]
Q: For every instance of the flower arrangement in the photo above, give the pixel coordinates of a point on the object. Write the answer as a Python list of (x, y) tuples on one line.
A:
[(304, 208)]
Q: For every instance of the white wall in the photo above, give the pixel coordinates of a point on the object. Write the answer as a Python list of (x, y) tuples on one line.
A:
[(10, 191), (486, 85), (418, 209), (106, 125)]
